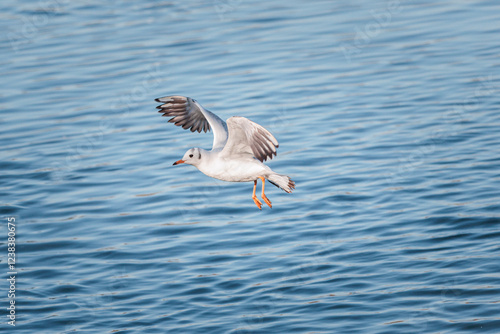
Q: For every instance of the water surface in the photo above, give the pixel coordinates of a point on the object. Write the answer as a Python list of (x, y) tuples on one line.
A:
[(387, 114)]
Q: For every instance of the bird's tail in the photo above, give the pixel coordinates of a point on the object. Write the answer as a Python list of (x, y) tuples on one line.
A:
[(282, 182)]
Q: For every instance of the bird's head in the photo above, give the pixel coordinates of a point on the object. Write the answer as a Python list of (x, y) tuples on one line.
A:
[(192, 157)]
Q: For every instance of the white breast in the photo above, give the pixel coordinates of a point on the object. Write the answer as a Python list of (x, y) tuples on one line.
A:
[(233, 170)]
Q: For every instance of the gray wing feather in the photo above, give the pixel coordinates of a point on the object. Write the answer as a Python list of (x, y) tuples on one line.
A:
[(189, 114), (249, 138)]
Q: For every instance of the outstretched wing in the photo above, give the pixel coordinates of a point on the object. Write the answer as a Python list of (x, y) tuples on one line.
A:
[(189, 114), (249, 138)]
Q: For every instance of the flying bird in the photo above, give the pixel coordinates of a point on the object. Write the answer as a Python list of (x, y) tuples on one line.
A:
[(239, 149)]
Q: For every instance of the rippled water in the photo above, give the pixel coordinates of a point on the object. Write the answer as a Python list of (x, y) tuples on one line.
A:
[(387, 113)]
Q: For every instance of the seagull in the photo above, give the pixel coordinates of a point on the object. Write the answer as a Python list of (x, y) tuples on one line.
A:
[(239, 148)]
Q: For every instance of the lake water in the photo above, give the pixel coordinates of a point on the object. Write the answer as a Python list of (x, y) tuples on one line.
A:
[(387, 114)]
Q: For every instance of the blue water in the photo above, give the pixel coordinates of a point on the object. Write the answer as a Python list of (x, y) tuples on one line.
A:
[(387, 114)]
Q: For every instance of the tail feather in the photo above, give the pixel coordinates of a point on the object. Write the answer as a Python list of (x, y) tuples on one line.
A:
[(282, 182)]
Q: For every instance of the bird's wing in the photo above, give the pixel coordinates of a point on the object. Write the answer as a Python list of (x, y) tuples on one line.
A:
[(249, 138), (189, 114)]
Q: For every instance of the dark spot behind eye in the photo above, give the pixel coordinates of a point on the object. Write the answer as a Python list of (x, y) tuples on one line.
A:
[(190, 155)]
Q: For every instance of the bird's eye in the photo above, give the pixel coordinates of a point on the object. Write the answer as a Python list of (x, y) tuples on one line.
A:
[(190, 155)]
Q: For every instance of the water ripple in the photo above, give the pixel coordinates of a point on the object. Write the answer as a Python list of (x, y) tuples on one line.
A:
[(387, 117)]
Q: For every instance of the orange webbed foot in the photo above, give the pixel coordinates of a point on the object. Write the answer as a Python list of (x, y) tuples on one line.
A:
[(257, 202), (268, 202)]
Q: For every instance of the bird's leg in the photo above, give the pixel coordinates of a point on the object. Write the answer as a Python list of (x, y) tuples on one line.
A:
[(268, 202), (255, 199)]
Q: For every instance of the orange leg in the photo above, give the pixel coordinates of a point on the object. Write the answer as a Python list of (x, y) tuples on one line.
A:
[(255, 199), (268, 202)]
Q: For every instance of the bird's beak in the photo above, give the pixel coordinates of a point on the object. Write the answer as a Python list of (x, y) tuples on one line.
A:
[(178, 162)]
